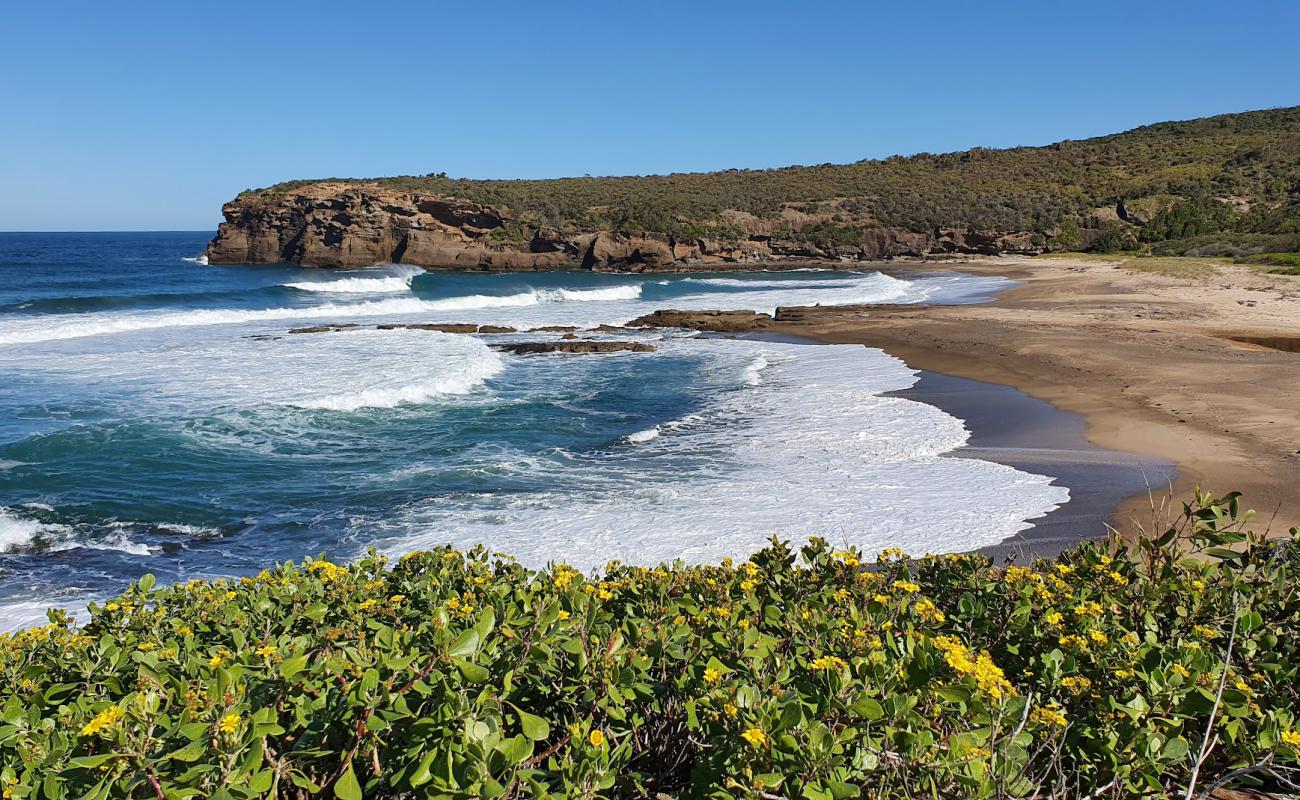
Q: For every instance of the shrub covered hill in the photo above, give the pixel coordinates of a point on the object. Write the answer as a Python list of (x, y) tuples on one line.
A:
[(1168, 669), (1228, 184)]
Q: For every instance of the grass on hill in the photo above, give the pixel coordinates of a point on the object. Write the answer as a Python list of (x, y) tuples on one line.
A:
[(1277, 263), (1169, 668), (1190, 181)]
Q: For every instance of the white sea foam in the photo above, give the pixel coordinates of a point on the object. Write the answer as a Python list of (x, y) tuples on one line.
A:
[(469, 375), (394, 279), (15, 531), (20, 614), (118, 542), (354, 285), (195, 531), (72, 326), (201, 260), (630, 292), (816, 449), (646, 435), (754, 370)]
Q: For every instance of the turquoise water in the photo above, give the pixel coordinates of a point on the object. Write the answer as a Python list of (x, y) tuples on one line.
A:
[(157, 415)]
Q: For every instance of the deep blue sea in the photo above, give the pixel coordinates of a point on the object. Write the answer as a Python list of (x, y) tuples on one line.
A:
[(156, 415)]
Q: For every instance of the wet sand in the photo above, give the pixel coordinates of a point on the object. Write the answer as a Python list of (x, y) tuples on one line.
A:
[(1154, 364)]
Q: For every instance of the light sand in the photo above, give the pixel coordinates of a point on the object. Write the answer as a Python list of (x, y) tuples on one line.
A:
[(1142, 356)]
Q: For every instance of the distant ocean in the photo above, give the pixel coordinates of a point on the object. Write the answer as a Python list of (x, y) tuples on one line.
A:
[(157, 416)]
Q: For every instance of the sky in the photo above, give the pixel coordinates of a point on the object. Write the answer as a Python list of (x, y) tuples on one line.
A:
[(148, 116)]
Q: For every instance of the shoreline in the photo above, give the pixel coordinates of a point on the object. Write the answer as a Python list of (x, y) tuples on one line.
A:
[(1145, 359), (1011, 428)]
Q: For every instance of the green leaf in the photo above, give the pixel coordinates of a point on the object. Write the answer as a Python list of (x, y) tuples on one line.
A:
[(90, 762), (292, 666), (147, 581), (868, 708), (422, 774), (346, 787), (534, 727), (465, 645), (472, 672), (516, 749)]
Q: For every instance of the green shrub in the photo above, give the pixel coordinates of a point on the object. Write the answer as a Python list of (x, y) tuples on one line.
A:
[(808, 675), (1058, 187), (1280, 263)]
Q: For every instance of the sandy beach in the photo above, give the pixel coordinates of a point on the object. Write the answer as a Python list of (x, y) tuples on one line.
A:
[(1155, 364)]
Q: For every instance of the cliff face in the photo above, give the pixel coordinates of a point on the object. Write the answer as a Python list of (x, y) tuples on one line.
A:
[(335, 224)]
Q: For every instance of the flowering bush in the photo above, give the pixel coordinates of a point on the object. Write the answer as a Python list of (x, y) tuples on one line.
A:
[(1110, 670)]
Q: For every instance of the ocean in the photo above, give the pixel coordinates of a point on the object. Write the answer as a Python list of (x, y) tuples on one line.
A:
[(156, 415)]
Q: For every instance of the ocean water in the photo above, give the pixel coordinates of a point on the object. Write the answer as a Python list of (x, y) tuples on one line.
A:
[(157, 416)]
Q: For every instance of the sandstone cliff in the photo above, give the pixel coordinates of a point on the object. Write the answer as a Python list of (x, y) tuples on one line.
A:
[(337, 224)]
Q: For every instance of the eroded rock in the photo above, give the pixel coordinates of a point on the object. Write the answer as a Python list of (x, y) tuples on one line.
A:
[(577, 346), (718, 321)]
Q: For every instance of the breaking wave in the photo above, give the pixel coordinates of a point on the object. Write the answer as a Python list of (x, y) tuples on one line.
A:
[(398, 282), (464, 378)]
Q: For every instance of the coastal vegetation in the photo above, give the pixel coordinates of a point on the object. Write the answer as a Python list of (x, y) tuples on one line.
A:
[(1168, 666), (1223, 185)]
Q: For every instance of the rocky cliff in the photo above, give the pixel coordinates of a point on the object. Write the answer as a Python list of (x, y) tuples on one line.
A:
[(348, 224)]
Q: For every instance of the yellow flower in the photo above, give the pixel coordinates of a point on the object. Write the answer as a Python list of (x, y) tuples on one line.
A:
[(1088, 608), (1198, 585), (1098, 637), (744, 624), (1291, 739), (881, 598), (215, 661), (1076, 684), (988, 676), (1054, 618), (397, 598), (1049, 716), (730, 709), (266, 650), (828, 662), (596, 738), (104, 720), (366, 605), (755, 737), (747, 585), (1205, 632), (1064, 569), (1129, 638), (849, 558), (928, 611), (228, 723), (1073, 642), (564, 615), (906, 586), (1180, 671), (712, 675)]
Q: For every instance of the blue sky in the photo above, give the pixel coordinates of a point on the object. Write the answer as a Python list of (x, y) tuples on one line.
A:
[(148, 116)]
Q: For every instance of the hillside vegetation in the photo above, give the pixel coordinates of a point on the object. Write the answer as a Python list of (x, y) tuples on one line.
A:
[(1223, 184), (1168, 669)]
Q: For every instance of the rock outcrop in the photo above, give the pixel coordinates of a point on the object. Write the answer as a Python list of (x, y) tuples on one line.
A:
[(574, 346), (713, 321), (338, 224)]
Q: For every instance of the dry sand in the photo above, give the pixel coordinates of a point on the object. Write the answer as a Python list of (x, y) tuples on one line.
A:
[(1144, 357)]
